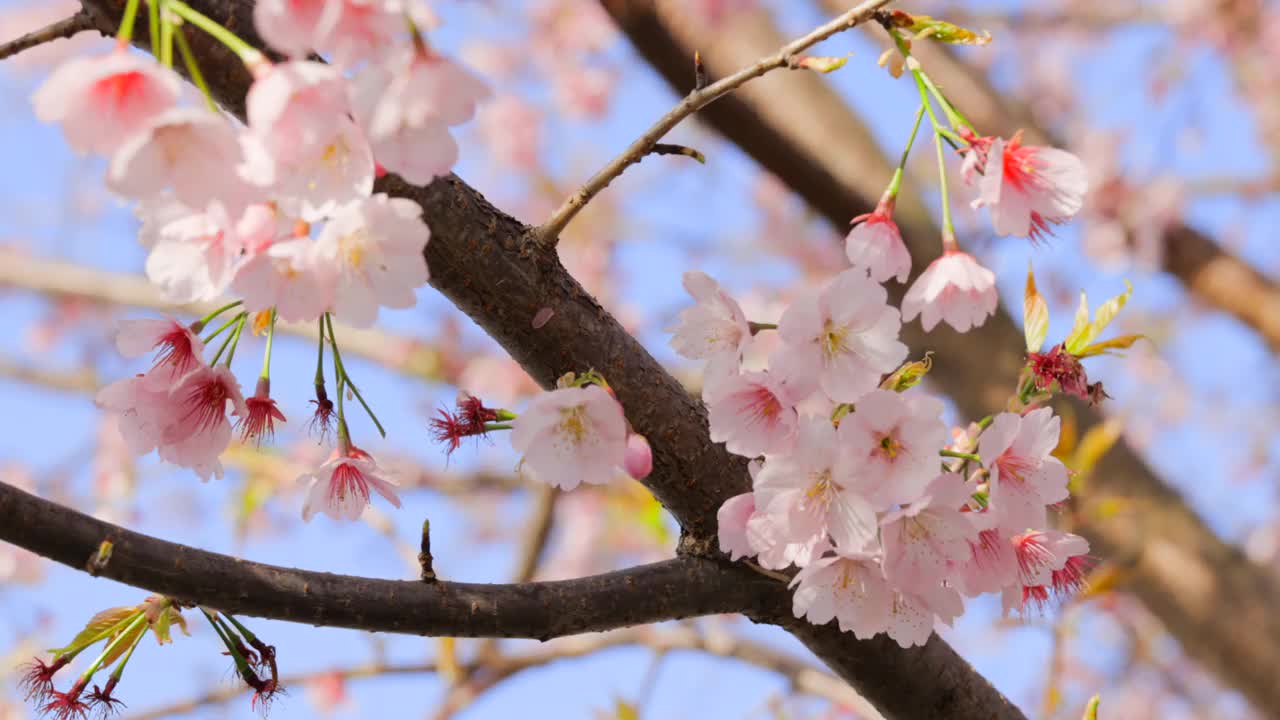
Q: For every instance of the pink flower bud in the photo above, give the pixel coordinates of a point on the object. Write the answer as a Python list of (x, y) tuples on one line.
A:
[(639, 458)]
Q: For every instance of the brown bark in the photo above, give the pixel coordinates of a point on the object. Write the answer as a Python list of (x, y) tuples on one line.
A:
[(1216, 602), (492, 268)]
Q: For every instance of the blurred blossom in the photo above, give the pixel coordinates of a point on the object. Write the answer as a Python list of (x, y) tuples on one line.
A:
[(327, 693), (512, 128), (35, 14), (499, 380)]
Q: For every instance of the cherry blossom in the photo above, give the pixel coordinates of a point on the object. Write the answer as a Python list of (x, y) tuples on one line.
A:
[(991, 564), (376, 245), (842, 338), (143, 408), (912, 615), (638, 461), (261, 414), (195, 153), (571, 436), (340, 486), (101, 101), (875, 244), (956, 289), (295, 108), (715, 328), (893, 439), (1025, 477), (317, 184), (751, 413), (731, 522), (1026, 187), (293, 27), (810, 491), (197, 430), (924, 539), (291, 275), (177, 347), (196, 257), (847, 587), (1047, 560)]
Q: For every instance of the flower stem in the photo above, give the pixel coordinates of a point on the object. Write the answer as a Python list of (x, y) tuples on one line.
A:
[(963, 455), (320, 354), (238, 320), (266, 356), (341, 370), (125, 33), (115, 644), (896, 183), (119, 671), (193, 67), (756, 327), (208, 338), (497, 426), (166, 38), (247, 53), (205, 320), (224, 634), (153, 25)]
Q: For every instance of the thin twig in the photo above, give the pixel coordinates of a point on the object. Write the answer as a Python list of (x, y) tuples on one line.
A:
[(61, 29), (548, 233)]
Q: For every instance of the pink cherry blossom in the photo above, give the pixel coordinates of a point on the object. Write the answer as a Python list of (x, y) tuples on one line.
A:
[(842, 338), (639, 458), (1025, 477), (893, 439), (101, 101), (194, 152), (355, 30), (406, 107), (143, 407), (751, 413), (810, 491), (177, 348), (290, 275), (1026, 187), (198, 431), (295, 108), (850, 588), (912, 615), (715, 328), (991, 564), (1048, 560), (291, 26), (924, 539), (954, 288), (731, 521), (196, 257), (259, 420), (773, 540), (340, 486), (376, 246), (875, 244), (316, 184), (571, 436)]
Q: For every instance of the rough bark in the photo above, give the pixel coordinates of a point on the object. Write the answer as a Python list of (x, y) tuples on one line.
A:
[(1209, 595)]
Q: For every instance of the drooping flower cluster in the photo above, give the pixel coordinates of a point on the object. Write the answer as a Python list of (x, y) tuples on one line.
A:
[(847, 480), (279, 212)]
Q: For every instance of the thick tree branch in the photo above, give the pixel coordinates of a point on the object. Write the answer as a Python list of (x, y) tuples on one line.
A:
[(697, 98), (673, 589), (1212, 598), (494, 270), (59, 30)]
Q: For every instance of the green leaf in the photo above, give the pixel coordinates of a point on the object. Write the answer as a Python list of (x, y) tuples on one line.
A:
[(123, 646), (1124, 342), (950, 33), (1084, 332), (909, 375), (1035, 314), (99, 626)]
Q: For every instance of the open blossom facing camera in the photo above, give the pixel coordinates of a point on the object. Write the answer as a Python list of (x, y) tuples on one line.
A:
[(842, 339), (572, 436), (340, 487), (893, 438), (1027, 188), (1025, 477), (956, 289), (752, 413)]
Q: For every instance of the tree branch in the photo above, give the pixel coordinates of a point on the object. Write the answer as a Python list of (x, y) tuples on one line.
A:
[(495, 271), (1208, 593), (696, 99), (59, 30), (673, 589)]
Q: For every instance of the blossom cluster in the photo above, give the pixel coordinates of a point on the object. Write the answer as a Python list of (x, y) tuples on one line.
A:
[(278, 213), (847, 480)]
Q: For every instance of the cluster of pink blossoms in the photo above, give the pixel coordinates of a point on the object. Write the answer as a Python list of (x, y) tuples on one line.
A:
[(1027, 190), (278, 212), (848, 482)]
